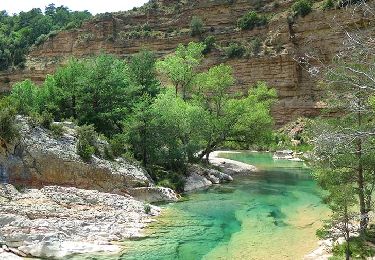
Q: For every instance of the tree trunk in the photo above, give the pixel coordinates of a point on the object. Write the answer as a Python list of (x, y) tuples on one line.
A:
[(360, 182), (347, 251), (361, 192), (347, 235), (74, 112), (144, 143)]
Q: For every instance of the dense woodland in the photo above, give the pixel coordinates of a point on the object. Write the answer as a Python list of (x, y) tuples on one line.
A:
[(18, 32)]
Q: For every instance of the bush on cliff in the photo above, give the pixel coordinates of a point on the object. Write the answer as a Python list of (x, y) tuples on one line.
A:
[(196, 26), (328, 4), (302, 8), (251, 20), (235, 50), (87, 142)]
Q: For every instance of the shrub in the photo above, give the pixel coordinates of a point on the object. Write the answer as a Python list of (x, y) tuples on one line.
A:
[(256, 46), (209, 42), (168, 179), (147, 208), (46, 119), (41, 39), (57, 130), (196, 26), (235, 50), (251, 20), (108, 153), (302, 8), (87, 142), (328, 4), (8, 129), (118, 145)]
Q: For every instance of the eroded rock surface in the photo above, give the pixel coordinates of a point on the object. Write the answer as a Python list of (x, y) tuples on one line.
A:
[(58, 222)]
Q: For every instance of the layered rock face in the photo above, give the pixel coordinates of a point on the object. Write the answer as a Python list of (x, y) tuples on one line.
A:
[(168, 25)]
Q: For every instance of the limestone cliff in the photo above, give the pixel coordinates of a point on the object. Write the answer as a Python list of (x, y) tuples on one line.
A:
[(168, 25)]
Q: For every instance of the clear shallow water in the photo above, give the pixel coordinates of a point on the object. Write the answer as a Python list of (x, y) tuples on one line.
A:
[(271, 214)]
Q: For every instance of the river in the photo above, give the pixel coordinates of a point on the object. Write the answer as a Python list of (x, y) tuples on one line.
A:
[(271, 214)]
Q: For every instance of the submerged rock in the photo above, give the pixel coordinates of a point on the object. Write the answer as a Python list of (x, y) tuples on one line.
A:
[(56, 222)]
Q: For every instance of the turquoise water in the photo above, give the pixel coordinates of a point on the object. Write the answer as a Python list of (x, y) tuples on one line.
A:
[(271, 214)]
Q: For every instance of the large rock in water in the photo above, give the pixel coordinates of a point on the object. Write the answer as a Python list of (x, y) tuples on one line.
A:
[(200, 177), (56, 222), (39, 159)]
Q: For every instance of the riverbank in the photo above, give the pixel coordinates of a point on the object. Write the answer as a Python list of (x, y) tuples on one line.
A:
[(56, 222)]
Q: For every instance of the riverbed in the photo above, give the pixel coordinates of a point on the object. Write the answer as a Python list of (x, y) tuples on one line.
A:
[(270, 214)]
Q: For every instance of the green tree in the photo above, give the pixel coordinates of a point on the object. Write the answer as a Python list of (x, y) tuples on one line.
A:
[(143, 72), (176, 123), (242, 120), (345, 142), (181, 67)]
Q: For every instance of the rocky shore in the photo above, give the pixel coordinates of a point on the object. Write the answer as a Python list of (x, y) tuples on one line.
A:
[(56, 222)]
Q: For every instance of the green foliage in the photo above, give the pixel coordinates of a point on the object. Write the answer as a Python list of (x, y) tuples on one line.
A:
[(87, 142), (99, 91), (256, 46), (8, 129), (143, 72), (147, 208), (24, 98), (180, 67), (358, 249), (251, 20), (245, 120), (163, 129), (118, 144), (196, 26), (169, 179), (209, 42), (328, 4), (20, 31), (235, 50), (302, 7), (46, 119), (57, 130)]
